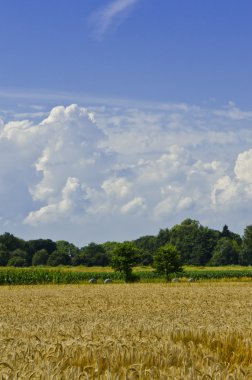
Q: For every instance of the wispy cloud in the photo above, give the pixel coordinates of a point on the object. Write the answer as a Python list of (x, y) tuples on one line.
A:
[(111, 16), (232, 112)]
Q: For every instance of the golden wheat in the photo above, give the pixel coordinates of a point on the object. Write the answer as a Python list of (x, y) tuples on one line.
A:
[(138, 331)]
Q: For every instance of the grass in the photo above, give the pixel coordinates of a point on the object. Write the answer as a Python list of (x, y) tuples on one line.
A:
[(139, 331)]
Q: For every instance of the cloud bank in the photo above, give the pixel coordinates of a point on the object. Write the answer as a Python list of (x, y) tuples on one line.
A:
[(115, 173)]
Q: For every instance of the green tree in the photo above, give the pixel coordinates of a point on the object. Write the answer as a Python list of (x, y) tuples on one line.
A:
[(109, 246), (17, 261), (194, 242), (4, 258), (94, 255), (58, 258), (11, 242), (124, 257), (204, 245), (40, 257), (226, 252), (163, 237), (69, 248), (167, 261), (20, 253), (79, 259), (32, 246), (148, 245), (246, 251), (227, 233), (4, 255)]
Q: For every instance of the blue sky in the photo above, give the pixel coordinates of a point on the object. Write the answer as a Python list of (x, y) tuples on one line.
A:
[(188, 51), (161, 129)]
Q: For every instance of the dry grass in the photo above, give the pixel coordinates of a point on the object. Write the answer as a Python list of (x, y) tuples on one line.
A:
[(139, 331)]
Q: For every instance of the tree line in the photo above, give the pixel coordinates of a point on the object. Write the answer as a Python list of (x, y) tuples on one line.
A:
[(196, 245)]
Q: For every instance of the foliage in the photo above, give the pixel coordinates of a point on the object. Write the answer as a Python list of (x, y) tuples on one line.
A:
[(28, 276), (124, 257), (229, 234), (194, 242), (40, 275), (58, 258), (17, 261), (163, 237), (78, 259), (226, 252), (33, 246), (94, 255), (66, 247), (246, 251), (109, 246), (40, 257), (4, 255), (20, 253), (167, 261), (147, 244), (11, 242)]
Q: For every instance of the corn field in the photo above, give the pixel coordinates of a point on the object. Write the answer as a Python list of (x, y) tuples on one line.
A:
[(186, 331), (34, 276)]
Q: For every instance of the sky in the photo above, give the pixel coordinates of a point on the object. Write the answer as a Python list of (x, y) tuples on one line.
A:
[(121, 117)]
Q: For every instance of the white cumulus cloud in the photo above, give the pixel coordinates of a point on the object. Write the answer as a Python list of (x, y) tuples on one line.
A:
[(86, 173), (243, 166), (119, 187), (136, 204)]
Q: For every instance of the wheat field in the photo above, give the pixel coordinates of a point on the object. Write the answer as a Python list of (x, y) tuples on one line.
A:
[(126, 331)]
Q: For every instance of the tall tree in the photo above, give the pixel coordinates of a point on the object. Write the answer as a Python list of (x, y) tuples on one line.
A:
[(167, 261), (58, 258), (4, 255), (33, 246), (163, 237), (246, 251), (232, 235), (40, 257), (148, 245), (124, 257), (226, 252), (69, 248), (12, 242), (183, 236), (94, 255), (194, 242)]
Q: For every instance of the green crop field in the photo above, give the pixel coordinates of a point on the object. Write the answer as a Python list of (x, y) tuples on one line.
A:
[(76, 275)]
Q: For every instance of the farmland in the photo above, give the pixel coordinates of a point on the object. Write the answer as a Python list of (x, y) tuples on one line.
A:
[(79, 275), (127, 331)]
